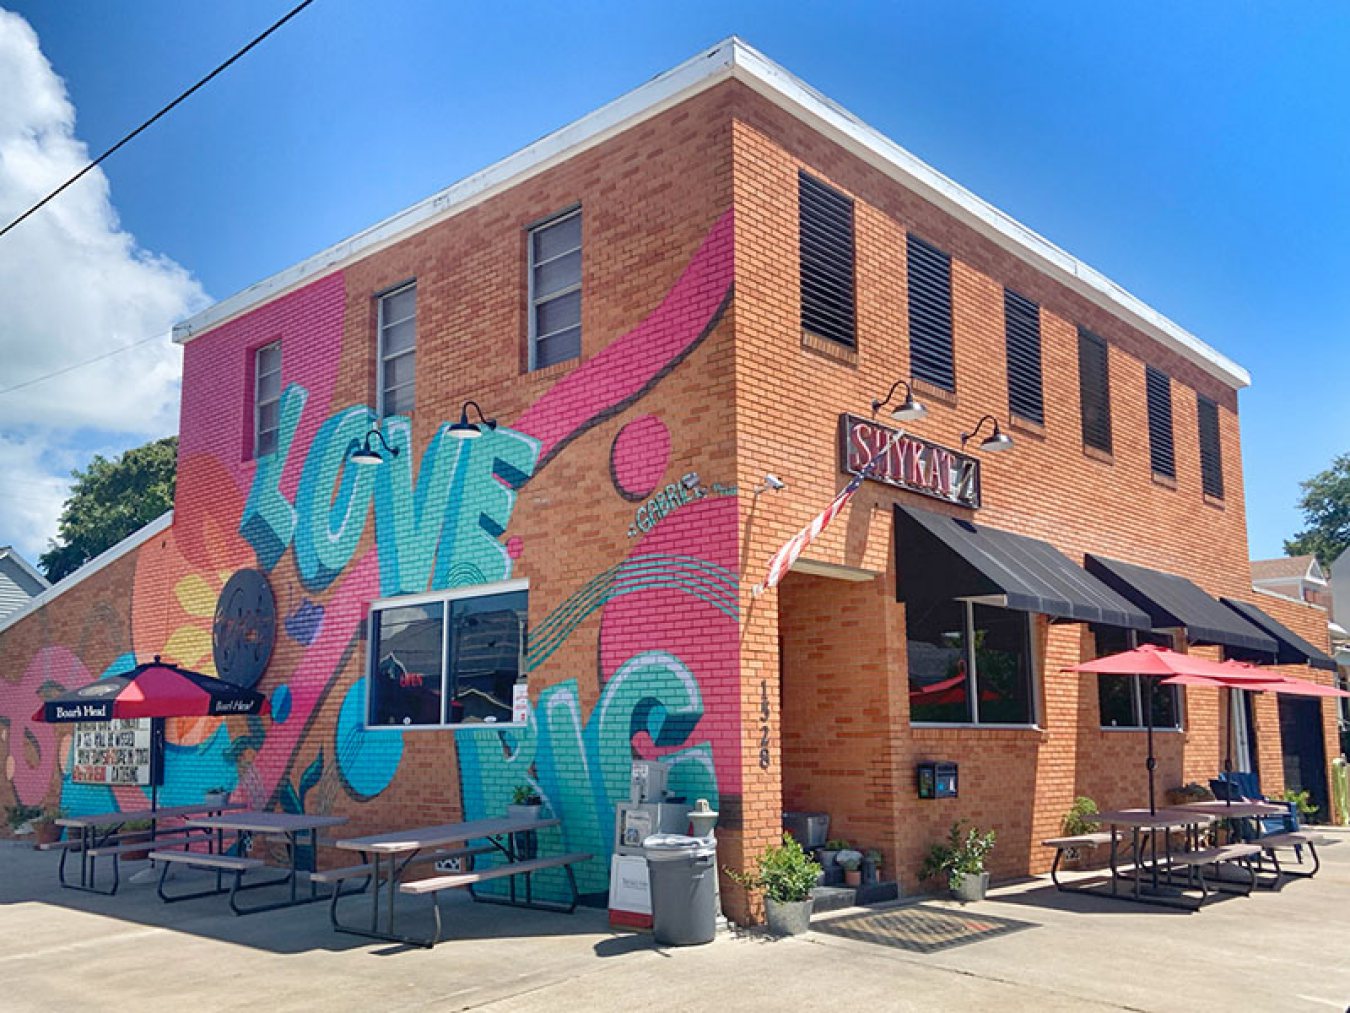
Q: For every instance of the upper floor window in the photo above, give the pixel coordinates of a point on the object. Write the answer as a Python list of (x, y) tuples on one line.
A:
[(930, 314), (825, 243), (447, 659), (1022, 328), (1211, 456), (1121, 699), (968, 664), (266, 398), (1160, 450), (555, 290), (398, 350), (1094, 389)]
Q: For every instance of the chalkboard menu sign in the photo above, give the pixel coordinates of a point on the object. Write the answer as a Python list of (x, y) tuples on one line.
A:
[(112, 752)]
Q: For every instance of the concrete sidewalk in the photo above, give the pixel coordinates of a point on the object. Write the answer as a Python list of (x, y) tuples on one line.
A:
[(1285, 950)]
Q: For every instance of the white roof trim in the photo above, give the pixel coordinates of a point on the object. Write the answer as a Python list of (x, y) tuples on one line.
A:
[(9, 552), (106, 558), (732, 58), (1286, 598)]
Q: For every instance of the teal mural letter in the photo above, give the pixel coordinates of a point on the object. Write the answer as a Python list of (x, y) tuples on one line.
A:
[(329, 527), (407, 523), (482, 495), (268, 522)]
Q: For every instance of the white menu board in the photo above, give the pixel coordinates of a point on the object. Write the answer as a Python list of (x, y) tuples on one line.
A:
[(112, 752)]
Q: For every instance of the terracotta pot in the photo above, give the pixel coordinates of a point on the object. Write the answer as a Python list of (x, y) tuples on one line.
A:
[(136, 838), (853, 877)]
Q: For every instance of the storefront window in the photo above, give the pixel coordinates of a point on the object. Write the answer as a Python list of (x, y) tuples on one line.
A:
[(1120, 698), (449, 661), (951, 642)]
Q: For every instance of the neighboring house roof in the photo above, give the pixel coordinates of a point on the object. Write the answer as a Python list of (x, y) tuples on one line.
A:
[(732, 59), (20, 581), (108, 556), (1287, 568)]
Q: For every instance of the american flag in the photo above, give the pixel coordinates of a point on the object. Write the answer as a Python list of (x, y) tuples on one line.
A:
[(784, 558)]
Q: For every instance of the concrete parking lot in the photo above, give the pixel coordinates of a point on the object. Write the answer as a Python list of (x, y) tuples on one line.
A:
[(1281, 950)]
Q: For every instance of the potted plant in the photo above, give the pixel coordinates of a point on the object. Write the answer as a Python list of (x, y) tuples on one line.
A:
[(1080, 820), (216, 797), (871, 866), (525, 804), (1192, 792), (787, 875), (45, 830), (828, 858), (960, 859), (20, 817), (851, 862), (136, 832), (1302, 802)]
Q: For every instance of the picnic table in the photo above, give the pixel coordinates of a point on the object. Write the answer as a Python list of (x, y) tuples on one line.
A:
[(100, 837), (292, 826), (385, 858)]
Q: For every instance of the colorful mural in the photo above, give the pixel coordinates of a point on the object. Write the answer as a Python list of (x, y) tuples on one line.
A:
[(666, 676)]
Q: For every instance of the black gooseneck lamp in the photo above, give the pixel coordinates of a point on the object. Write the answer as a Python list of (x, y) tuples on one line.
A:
[(367, 454), (466, 430), (908, 410), (996, 441)]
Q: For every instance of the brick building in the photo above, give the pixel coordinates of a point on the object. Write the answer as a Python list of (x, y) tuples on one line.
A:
[(709, 280)]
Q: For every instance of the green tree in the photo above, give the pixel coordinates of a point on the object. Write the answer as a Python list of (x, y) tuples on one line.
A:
[(108, 501), (1326, 512)]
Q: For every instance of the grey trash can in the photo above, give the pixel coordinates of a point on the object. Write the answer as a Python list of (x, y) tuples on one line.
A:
[(683, 875)]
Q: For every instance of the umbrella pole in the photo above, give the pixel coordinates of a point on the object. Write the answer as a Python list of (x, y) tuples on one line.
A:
[(1151, 763), (1228, 750)]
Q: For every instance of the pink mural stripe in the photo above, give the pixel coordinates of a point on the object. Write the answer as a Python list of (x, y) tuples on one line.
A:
[(628, 366)]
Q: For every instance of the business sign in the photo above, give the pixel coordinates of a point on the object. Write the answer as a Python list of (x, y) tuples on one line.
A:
[(908, 462), (115, 752)]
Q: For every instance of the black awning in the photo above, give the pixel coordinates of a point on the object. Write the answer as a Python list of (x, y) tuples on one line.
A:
[(1292, 649), (1173, 601), (939, 558)]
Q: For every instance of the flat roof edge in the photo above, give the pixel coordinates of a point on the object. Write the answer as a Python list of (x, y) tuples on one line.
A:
[(104, 559), (734, 58)]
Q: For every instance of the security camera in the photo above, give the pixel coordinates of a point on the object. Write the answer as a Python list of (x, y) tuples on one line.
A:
[(774, 482)]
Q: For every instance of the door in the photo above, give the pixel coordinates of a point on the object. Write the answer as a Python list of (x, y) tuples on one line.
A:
[(1304, 751)]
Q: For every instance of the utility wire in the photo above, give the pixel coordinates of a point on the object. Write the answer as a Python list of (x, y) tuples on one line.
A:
[(79, 365), (92, 165)]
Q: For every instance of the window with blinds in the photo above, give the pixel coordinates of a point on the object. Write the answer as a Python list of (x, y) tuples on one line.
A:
[(398, 350), (1022, 327), (1161, 453), (825, 240), (930, 314), (1211, 459), (555, 290), (1094, 390)]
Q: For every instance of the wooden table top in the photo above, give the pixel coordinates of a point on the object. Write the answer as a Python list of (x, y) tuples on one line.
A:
[(267, 823), (417, 838), (1163, 818), (127, 815), (1237, 810)]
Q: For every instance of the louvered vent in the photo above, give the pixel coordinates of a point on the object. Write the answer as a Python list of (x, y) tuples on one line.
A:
[(930, 314), (1211, 459), (1094, 389), (826, 246), (1022, 325), (1161, 454)]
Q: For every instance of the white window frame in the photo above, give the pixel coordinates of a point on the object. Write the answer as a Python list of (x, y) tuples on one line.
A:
[(533, 310), (381, 324), (1033, 687), (434, 597), (258, 401)]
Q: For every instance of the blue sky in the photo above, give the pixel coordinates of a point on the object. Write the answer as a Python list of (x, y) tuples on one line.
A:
[(1197, 154)]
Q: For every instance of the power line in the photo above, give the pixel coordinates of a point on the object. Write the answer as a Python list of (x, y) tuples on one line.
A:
[(78, 365), (294, 11)]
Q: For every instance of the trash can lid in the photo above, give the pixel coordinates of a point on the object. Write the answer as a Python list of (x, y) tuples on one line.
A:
[(659, 847)]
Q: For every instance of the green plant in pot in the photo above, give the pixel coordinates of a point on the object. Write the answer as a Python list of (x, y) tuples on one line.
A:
[(526, 804), (1306, 809), (136, 832), (1079, 820), (45, 830), (871, 866), (828, 858), (851, 862), (20, 817), (960, 860), (216, 796), (786, 875)]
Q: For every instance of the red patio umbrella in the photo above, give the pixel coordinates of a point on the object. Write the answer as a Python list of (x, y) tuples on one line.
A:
[(153, 689), (1162, 664)]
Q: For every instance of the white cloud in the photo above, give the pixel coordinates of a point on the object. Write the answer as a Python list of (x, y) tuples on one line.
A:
[(73, 285)]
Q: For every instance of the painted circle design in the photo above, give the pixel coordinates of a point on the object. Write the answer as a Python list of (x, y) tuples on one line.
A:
[(367, 761), (245, 628), (639, 457)]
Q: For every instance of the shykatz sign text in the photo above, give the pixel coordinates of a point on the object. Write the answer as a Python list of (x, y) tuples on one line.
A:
[(909, 462)]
